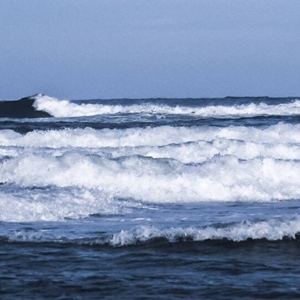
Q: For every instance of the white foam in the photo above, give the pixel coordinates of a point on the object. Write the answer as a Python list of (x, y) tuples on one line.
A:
[(51, 204), (65, 108), (159, 180), (187, 145), (159, 165), (271, 230)]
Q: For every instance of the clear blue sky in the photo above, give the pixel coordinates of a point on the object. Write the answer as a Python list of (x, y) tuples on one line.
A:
[(79, 49)]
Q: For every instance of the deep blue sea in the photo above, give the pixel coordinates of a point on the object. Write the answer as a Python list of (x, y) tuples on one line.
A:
[(150, 198)]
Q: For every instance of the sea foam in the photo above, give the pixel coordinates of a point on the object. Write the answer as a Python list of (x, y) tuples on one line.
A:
[(86, 171), (271, 230), (158, 180), (186, 145)]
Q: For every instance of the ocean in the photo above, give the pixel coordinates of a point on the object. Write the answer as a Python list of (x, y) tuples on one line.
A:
[(150, 198)]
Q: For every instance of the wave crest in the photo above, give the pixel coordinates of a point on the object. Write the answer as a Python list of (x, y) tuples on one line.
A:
[(271, 230), (66, 109)]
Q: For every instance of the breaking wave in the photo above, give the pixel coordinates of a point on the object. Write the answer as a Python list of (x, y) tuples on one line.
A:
[(271, 230), (66, 108), (75, 173)]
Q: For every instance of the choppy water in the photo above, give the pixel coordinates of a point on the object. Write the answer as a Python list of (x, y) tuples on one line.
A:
[(150, 198)]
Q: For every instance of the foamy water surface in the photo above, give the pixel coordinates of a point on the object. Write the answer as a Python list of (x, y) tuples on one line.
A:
[(152, 173)]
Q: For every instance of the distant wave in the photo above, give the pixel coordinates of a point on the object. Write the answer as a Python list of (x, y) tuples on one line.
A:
[(66, 108), (40, 106), (23, 108)]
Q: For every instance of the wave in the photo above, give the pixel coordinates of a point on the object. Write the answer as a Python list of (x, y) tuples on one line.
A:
[(66, 109), (88, 171), (157, 180), (41, 106), (186, 145), (23, 108), (271, 230)]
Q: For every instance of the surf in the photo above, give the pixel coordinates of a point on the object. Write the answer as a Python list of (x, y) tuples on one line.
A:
[(226, 107)]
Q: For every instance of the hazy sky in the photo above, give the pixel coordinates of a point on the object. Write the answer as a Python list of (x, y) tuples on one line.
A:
[(79, 49)]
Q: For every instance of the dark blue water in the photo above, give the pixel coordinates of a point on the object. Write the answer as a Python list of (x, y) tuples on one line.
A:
[(160, 270), (150, 198)]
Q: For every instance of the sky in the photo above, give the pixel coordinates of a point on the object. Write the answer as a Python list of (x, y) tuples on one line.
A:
[(86, 49)]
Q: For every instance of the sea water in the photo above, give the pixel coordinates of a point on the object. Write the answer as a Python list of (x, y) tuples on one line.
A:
[(150, 198)]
